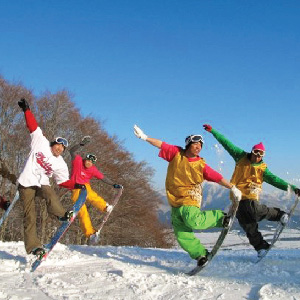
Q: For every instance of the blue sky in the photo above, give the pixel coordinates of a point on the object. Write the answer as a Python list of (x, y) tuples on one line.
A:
[(168, 66)]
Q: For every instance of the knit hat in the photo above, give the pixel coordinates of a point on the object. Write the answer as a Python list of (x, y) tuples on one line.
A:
[(259, 146)]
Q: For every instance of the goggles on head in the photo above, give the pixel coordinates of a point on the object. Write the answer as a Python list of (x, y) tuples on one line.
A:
[(194, 139), (91, 157), (63, 141), (258, 152)]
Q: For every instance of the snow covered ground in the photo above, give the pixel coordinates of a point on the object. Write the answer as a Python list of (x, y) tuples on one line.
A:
[(85, 272)]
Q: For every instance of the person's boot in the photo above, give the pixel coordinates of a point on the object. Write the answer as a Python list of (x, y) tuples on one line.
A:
[(67, 217), (202, 260), (284, 219), (226, 221), (263, 249), (39, 252)]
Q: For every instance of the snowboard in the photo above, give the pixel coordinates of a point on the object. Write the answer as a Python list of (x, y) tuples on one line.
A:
[(107, 214), (232, 212), (61, 230), (5, 215), (279, 230)]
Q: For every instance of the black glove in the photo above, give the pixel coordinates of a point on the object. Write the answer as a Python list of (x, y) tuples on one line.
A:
[(6, 205), (297, 191), (23, 104), (79, 186), (85, 140), (117, 186)]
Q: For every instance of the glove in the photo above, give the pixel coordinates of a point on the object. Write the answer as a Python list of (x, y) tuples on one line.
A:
[(79, 186), (297, 192), (139, 133), (4, 204), (23, 104), (207, 127), (237, 194), (117, 186), (109, 208), (85, 140)]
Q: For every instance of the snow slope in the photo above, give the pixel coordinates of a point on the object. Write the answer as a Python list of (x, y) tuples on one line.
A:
[(85, 272)]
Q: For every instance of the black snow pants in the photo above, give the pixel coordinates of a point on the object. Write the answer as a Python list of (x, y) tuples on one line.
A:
[(249, 213)]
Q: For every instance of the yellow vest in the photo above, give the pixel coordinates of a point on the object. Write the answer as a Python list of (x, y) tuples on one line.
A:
[(184, 181), (248, 178)]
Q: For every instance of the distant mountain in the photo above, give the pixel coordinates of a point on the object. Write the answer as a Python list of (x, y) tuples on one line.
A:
[(217, 197)]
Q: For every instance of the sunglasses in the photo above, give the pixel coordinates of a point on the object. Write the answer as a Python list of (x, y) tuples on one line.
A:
[(60, 140), (194, 139), (91, 157), (259, 153)]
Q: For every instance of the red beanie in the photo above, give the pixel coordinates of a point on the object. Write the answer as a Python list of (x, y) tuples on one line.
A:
[(259, 146)]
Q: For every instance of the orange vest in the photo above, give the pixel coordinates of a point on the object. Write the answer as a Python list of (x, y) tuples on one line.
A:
[(248, 178), (184, 181)]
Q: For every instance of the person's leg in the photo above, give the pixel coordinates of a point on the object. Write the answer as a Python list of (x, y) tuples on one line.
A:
[(254, 236), (96, 200), (186, 237), (187, 218), (268, 213), (249, 213), (54, 205), (83, 215), (27, 196)]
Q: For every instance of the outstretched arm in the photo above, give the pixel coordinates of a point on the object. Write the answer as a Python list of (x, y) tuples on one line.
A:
[(141, 135), (110, 182), (236, 193), (233, 150), (69, 184), (154, 142), (75, 149), (225, 183), (279, 183)]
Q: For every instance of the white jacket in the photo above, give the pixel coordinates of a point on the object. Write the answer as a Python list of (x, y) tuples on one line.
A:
[(42, 164)]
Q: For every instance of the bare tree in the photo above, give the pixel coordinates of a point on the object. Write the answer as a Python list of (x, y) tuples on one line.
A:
[(133, 222)]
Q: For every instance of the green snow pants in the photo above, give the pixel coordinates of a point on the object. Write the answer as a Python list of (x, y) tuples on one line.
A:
[(187, 218)]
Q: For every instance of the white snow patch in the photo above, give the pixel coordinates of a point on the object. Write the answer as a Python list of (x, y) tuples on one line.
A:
[(83, 272)]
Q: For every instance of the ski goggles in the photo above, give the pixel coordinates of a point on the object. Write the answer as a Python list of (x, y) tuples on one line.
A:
[(194, 139), (60, 140), (258, 152), (91, 157)]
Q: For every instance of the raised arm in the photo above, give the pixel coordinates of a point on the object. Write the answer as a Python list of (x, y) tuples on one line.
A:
[(141, 135), (76, 148), (233, 150), (31, 122)]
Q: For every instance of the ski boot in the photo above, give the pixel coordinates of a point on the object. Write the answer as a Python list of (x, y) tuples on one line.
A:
[(226, 221), (93, 239), (39, 252), (284, 219), (67, 217), (202, 260), (264, 248)]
